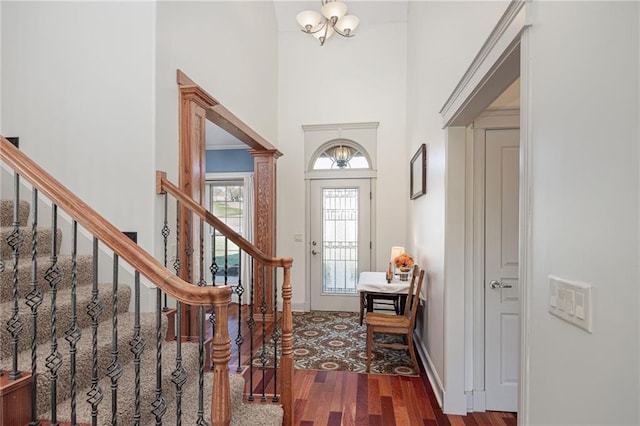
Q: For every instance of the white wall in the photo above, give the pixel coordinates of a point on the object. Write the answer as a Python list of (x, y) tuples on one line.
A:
[(584, 114), (361, 79), (77, 89), (443, 37), (90, 88), (228, 48)]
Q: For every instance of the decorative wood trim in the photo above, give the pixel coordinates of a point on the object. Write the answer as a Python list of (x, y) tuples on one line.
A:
[(487, 70), (193, 103), (224, 118), (265, 222), (345, 126)]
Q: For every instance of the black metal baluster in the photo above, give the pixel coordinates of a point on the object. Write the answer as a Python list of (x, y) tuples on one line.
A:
[(114, 371), (94, 309), (178, 375), (263, 311), (34, 300), (53, 277), (73, 334), (165, 235), (214, 265), (226, 260), (239, 291), (277, 334), (137, 346), (15, 241), (189, 254), (189, 247), (201, 283), (159, 406), (251, 322)]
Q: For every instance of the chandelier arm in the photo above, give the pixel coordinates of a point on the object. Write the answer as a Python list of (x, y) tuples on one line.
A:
[(326, 31), (343, 34), (322, 27)]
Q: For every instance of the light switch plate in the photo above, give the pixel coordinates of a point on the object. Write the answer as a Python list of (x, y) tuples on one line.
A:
[(571, 301)]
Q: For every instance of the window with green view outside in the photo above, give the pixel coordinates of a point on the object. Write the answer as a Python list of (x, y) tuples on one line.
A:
[(227, 204)]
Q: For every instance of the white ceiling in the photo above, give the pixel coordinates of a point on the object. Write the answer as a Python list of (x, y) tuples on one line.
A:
[(510, 98), (370, 12), (218, 138)]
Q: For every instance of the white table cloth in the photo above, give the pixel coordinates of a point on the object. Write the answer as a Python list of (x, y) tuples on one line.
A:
[(376, 282)]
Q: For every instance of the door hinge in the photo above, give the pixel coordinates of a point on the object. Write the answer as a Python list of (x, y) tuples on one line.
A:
[(370, 245), (370, 195)]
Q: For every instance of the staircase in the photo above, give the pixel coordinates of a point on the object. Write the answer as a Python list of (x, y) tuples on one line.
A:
[(241, 414), (93, 361)]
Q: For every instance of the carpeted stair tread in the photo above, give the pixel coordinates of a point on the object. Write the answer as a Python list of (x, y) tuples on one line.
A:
[(126, 389), (6, 212), (84, 355), (44, 239), (84, 275), (63, 304), (256, 414)]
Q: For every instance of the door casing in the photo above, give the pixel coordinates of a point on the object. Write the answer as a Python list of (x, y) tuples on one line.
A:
[(474, 237)]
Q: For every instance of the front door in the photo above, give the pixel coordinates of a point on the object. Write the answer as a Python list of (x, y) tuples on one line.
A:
[(340, 242), (502, 289)]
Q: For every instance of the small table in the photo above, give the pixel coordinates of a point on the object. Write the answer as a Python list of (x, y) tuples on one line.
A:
[(372, 285)]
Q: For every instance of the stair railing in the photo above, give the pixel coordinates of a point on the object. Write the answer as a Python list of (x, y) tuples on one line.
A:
[(275, 351), (145, 265)]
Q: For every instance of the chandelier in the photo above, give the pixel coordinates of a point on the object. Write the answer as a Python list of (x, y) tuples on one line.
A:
[(334, 19), (341, 155)]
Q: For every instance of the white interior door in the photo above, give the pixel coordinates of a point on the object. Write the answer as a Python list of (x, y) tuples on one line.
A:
[(502, 290), (340, 243)]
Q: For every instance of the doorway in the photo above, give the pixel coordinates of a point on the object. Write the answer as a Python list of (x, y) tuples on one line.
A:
[(503, 59), (340, 241), (494, 147)]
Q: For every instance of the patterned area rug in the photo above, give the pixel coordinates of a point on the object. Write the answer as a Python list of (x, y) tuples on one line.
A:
[(336, 341)]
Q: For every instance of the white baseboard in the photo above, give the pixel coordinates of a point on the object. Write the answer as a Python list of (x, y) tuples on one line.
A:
[(299, 307), (432, 375), (479, 401)]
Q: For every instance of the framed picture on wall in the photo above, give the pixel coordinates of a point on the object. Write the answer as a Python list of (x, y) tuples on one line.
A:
[(418, 167)]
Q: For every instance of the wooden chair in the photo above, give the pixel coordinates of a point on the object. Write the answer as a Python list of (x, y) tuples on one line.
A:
[(397, 324)]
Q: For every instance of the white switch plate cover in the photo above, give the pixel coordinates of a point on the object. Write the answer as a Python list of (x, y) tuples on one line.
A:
[(571, 301)]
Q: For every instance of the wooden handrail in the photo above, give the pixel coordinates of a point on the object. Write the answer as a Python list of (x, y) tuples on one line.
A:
[(108, 234), (286, 360), (163, 185)]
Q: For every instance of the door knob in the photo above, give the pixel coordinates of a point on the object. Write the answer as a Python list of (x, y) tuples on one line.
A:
[(498, 284), (314, 252)]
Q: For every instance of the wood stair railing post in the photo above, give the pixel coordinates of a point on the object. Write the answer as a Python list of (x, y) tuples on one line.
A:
[(286, 362), (221, 354), (15, 399)]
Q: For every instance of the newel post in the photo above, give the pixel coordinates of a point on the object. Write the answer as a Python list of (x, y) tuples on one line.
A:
[(286, 362), (220, 355), (264, 169)]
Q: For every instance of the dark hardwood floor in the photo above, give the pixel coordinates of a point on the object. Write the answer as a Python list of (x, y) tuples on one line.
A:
[(341, 398)]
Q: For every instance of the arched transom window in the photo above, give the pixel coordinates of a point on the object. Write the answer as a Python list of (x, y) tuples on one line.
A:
[(341, 154)]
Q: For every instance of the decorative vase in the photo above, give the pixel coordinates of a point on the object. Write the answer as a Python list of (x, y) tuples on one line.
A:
[(404, 274)]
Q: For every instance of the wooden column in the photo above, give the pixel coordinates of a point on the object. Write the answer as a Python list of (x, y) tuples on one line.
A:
[(264, 235), (194, 103), (15, 399)]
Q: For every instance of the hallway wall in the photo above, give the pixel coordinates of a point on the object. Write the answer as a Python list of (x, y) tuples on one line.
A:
[(443, 39), (585, 105), (360, 79)]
